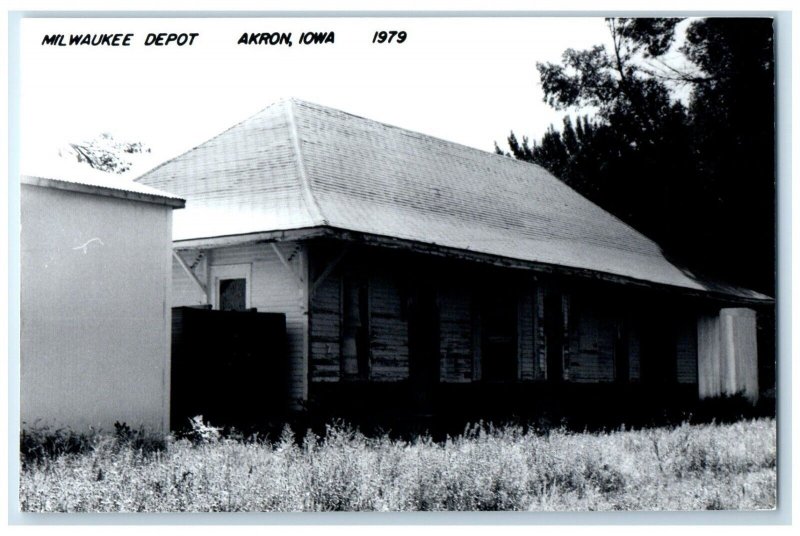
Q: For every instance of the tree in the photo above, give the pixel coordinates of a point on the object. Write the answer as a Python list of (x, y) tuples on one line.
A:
[(105, 153), (697, 176), (733, 127)]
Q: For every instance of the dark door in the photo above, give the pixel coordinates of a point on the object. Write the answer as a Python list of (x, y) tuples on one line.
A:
[(423, 347)]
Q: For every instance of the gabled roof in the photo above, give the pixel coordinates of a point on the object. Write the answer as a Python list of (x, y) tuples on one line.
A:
[(297, 165)]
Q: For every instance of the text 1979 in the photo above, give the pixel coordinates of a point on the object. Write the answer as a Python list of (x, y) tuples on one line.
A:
[(389, 37)]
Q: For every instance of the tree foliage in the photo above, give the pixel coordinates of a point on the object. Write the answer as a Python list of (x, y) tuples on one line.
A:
[(105, 153), (695, 174)]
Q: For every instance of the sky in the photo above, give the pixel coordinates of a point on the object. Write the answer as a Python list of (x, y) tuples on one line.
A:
[(468, 80)]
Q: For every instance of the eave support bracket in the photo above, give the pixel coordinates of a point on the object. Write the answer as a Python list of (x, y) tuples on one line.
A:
[(191, 274), (298, 279), (328, 269)]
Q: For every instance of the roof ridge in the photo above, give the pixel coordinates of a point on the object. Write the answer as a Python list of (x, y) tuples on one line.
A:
[(296, 100), (312, 205)]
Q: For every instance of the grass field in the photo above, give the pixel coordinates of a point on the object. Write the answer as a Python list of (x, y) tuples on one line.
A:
[(690, 467)]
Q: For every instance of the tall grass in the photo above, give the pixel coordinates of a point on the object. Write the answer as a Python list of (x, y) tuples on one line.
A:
[(691, 467)]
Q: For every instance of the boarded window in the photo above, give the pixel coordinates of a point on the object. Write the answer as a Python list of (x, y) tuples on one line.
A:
[(499, 331), (389, 328), (593, 357), (233, 294), (455, 318), (598, 340), (355, 329)]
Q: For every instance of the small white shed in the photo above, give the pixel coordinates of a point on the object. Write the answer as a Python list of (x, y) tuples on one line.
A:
[(95, 303)]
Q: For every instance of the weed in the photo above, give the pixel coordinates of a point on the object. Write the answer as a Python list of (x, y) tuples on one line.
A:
[(689, 467)]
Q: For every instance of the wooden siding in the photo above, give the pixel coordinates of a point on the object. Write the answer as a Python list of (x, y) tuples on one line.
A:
[(526, 330), (540, 346), (562, 325), (592, 321), (273, 289), (595, 328), (567, 349), (326, 326), (387, 325), (388, 330), (592, 345), (456, 322), (686, 351)]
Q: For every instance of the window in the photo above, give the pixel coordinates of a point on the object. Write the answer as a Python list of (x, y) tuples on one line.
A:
[(232, 294), (231, 287)]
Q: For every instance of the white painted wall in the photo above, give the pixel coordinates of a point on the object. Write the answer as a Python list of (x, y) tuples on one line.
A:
[(95, 331), (272, 288)]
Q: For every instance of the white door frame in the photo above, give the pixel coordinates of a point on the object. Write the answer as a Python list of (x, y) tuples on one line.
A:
[(229, 271)]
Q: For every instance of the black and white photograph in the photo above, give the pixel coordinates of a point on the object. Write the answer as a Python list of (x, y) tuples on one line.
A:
[(313, 263)]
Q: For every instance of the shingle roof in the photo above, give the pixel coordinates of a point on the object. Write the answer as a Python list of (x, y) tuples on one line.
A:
[(299, 165)]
